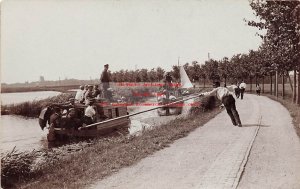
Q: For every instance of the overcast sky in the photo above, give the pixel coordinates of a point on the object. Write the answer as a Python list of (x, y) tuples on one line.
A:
[(75, 38)]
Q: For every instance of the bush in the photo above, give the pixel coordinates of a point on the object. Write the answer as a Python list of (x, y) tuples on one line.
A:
[(16, 166), (206, 103), (21, 167)]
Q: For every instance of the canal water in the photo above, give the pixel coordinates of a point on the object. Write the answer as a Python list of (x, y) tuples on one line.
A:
[(20, 132), (24, 134), (15, 98)]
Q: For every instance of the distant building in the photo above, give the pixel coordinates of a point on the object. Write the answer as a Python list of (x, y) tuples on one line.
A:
[(42, 79)]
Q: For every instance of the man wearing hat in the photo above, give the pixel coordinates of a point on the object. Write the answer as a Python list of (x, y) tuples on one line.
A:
[(105, 79), (89, 94), (89, 113), (96, 91), (72, 120), (55, 117), (79, 97), (223, 94), (242, 89)]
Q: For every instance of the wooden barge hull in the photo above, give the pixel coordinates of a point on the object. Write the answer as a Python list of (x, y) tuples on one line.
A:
[(121, 125), (110, 120)]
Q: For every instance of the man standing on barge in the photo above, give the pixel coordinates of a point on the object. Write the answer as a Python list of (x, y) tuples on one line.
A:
[(105, 79)]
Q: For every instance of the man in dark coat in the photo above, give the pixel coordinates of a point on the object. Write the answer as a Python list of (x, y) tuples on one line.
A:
[(105, 79), (96, 91)]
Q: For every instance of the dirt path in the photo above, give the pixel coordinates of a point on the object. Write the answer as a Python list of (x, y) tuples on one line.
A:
[(214, 156)]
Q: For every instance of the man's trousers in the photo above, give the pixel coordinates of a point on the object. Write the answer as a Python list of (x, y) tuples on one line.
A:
[(229, 103)]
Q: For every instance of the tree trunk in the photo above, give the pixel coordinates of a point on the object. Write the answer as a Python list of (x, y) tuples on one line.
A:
[(276, 81), (290, 81), (250, 84), (204, 82), (271, 84), (298, 96), (294, 91), (283, 92), (263, 84), (255, 79)]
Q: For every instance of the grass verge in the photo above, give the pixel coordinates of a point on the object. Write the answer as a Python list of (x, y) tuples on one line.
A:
[(108, 155), (294, 110)]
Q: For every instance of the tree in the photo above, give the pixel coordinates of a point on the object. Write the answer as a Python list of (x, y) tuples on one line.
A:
[(281, 21), (152, 75), (144, 75), (194, 71), (176, 73), (160, 73), (211, 69), (225, 69)]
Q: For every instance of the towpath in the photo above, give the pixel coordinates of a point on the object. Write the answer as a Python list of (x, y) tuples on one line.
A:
[(264, 153)]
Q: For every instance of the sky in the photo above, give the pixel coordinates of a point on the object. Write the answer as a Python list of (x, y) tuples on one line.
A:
[(75, 38)]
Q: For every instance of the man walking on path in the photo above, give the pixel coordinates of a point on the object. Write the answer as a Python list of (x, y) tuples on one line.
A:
[(223, 94), (258, 89), (242, 89), (105, 79), (236, 90)]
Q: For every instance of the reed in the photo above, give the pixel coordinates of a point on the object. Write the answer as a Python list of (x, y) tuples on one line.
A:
[(33, 109), (16, 166)]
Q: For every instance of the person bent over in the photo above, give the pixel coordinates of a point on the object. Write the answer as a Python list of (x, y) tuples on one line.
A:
[(223, 94), (54, 122)]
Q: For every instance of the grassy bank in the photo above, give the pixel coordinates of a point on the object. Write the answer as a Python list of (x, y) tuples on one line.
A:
[(292, 108), (105, 156)]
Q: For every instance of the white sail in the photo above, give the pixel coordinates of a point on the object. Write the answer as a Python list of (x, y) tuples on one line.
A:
[(185, 81)]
